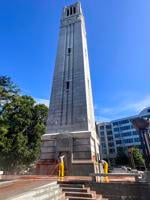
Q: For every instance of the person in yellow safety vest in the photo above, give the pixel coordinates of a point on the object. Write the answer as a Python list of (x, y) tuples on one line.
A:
[(61, 165), (105, 168)]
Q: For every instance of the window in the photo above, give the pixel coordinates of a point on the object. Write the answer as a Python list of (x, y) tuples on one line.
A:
[(124, 121), (111, 150), (103, 145), (116, 129), (101, 127), (117, 135), (125, 128), (69, 50), (118, 142), (136, 139), (135, 133), (70, 10), (111, 144), (104, 151), (108, 126), (126, 134), (109, 132), (67, 12), (102, 139), (74, 10), (110, 138), (67, 85), (128, 140), (115, 124), (102, 133)]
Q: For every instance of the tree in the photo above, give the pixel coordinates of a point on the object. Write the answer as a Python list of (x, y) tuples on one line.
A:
[(122, 158), (138, 158), (22, 123), (7, 91)]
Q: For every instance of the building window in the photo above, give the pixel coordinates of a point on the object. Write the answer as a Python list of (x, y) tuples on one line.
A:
[(102, 133), (124, 122), (136, 139), (116, 129), (128, 141), (125, 128), (101, 127), (111, 150), (111, 144), (103, 145), (109, 132), (104, 151), (108, 126), (135, 133), (126, 134), (117, 135), (110, 138), (115, 124), (102, 139), (118, 142)]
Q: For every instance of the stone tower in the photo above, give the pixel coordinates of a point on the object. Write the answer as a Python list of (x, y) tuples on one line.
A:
[(71, 123)]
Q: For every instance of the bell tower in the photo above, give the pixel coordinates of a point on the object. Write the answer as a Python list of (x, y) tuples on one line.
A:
[(71, 122)]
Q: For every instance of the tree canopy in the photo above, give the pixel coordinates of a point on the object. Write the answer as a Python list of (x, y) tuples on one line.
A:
[(122, 158), (22, 122), (138, 158)]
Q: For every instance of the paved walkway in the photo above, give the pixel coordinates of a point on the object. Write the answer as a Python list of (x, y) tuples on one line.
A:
[(16, 185)]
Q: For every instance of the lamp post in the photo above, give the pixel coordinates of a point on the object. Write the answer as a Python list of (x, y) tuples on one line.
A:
[(143, 127)]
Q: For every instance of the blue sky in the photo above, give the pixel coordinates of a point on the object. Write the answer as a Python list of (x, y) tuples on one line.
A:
[(118, 33)]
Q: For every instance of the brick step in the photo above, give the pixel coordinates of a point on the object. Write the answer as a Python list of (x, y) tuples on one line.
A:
[(84, 198), (79, 198), (70, 189), (76, 182), (77, 191), (79, 194), (71, 185)]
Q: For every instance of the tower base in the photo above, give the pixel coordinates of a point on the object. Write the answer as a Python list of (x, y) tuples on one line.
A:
[(81, 155)]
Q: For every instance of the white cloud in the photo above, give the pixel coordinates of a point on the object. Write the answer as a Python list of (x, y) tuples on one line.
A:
[(124, 109), (42, 101), (139, 105)]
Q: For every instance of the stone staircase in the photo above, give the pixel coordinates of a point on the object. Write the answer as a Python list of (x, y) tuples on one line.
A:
[(77, 191), (51, 191)]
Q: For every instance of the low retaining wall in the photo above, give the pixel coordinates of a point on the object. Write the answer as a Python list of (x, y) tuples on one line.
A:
[(122, 191)]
